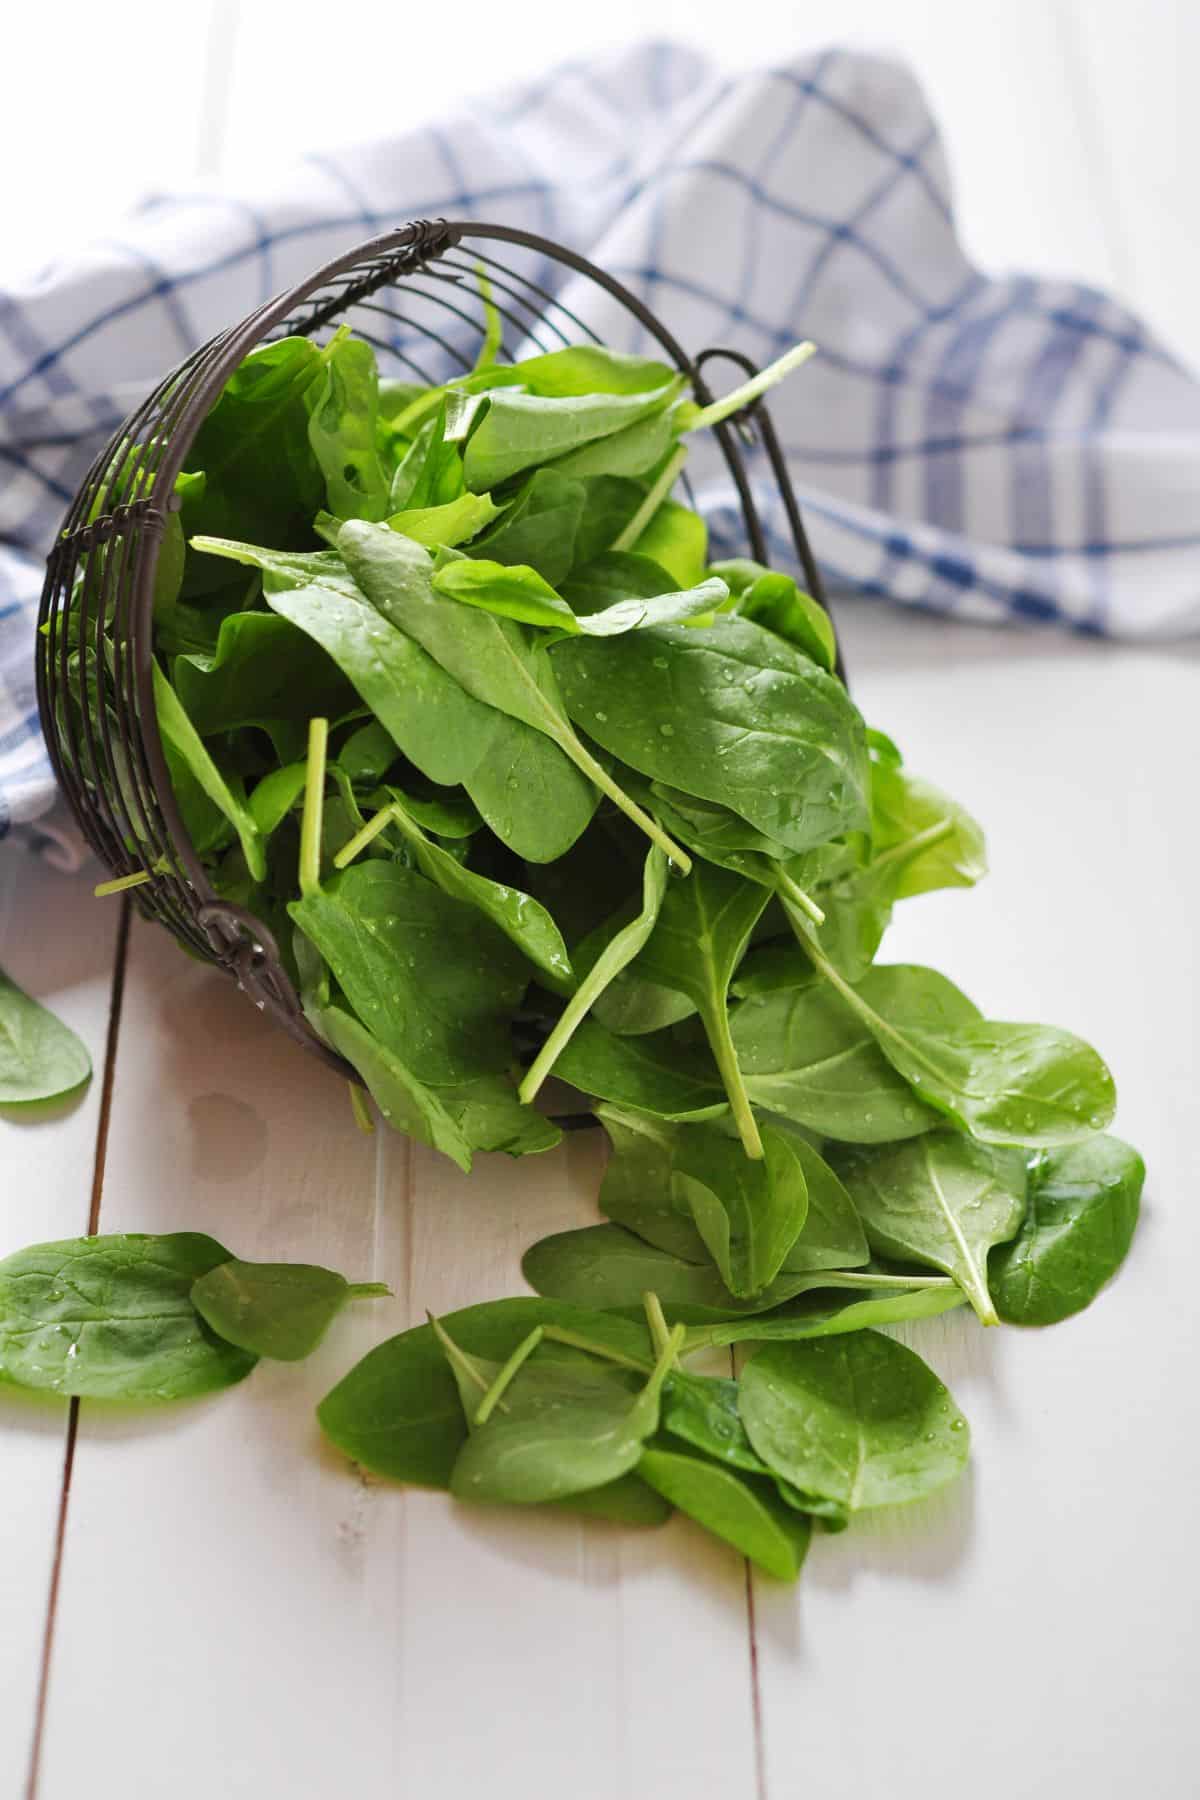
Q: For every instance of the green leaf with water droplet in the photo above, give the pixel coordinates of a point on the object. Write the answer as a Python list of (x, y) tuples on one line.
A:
[(111, 1318), (857, 1420), (1079, 1222), (942, 1201)]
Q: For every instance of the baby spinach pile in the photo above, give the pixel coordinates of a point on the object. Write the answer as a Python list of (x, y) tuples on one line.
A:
[(525, 785)]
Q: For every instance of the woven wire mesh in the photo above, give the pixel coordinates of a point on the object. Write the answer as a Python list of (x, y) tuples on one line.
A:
[(422, 296)]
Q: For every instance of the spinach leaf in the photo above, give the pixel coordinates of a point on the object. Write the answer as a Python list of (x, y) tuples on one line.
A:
[(637, 1192), (412, 1106), (262, 669), (857, 1420), (778, 603), (434, 981), (181, 737), (651, 1074), (701, 935), (275, 796), (749, 1213), (40, 1057), (943, 1201), (279, 1310), (513, 431), (491, 658), (522, 919), (261, 479), (566, 1426), (807, 1055), (458, 1118), (1004, 1083), (1080, 1217), (702, 1410), (636, 450), (744, 1512), (731, 714), (604, 1266), (936, 842), (615, 575), (519, 592), (456, 522), (446, 732), (620, 944), (343, 431), (538, 528), (610, 502), (397, 1412), (677, 539), (111, 1318), (430, 472), (819, 1315)]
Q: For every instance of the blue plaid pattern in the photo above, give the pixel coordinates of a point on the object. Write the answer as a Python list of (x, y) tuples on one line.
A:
[(999, 449)]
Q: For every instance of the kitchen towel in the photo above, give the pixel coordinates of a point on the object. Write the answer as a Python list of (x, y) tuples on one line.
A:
[(999, 448)]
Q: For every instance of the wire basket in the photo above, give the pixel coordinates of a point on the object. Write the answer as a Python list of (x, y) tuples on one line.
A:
[(416, 296)]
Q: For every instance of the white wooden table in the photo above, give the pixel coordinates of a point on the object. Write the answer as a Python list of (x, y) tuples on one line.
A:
[(207, 1602)]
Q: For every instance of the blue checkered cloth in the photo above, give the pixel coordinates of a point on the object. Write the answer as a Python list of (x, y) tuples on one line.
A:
[(996, 448)]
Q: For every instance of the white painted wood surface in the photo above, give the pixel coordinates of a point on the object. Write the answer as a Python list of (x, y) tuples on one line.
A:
[(238, 1615)]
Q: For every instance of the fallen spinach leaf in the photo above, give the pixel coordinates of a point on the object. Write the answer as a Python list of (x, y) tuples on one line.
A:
[(40, 1057), (607, 1267), (111, 1318), (1004, 1083), (743, 1512), (820, 1315), (397, 1412), (1080, 1216), (857, 1420), (568, 1425), (943, 1201), (807, 1055), (278, 1310)]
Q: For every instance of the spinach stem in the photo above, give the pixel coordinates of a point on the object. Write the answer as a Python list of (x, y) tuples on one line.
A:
[(588, 765), (360, 1109), (798, 897), (387, 815), (491, 1399), (493, 336), (369, 1290), (122, 883), (314, 808), (750, 390), (559, 1334), (647, 1400), (655, 495), (933, 834), (656, 1319), (458, 1358), (721, 1044)]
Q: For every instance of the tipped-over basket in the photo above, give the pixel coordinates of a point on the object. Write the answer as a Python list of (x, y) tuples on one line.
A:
[(423, 296)]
